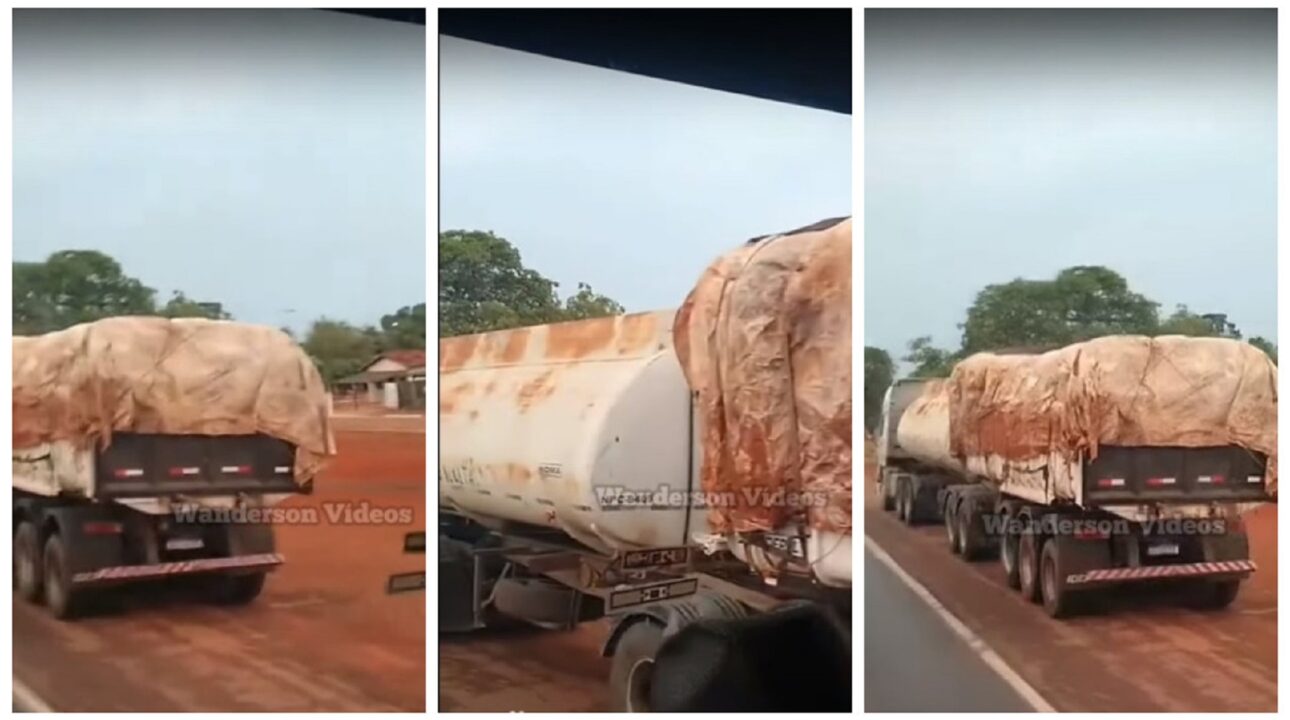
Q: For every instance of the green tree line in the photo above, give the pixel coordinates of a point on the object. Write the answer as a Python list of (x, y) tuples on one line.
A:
[(1080, 303), (484, 286), (77, 286)]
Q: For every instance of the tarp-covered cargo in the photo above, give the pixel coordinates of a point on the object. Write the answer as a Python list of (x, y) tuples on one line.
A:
[(184, 377), (765, 340), (1121, 390)]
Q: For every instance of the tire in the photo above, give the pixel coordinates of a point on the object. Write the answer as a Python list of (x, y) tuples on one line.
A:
[(1214, 595), (1028, 567), (1009, 548), (967, 544), (28, 565), (951, 524), (907, 501), (1059, 601), (888, 499), (632, 664), (236, 589), (63, 600)]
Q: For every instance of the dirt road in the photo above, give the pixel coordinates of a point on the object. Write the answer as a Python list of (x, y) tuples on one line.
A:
[(1141, 653), (324, 636), (524, 668)]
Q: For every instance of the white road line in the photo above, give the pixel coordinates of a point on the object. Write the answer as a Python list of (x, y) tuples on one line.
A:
[(26, 700), (979, 646)]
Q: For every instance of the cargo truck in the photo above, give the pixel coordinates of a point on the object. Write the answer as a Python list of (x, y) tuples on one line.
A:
[(148, 449), (1110, 462), (579, 479)]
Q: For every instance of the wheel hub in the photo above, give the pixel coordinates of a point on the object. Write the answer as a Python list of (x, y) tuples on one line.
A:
[(638, 685)]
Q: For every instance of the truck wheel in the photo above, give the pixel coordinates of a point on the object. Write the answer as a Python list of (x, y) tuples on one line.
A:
[(1028, 567), (1214, 595), (64, 601), (971, 545), (907, 501), (951, 525), (28, 577), (1009, 548), (888, 497), (633, 665), (236, 589), (1059, 600)]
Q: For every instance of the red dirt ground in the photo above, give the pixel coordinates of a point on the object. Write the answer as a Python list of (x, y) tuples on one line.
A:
[(324, 636)]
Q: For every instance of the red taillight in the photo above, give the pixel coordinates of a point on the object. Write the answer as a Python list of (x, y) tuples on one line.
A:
[(1161, 481), (127, 473), (184, 471), (236, 469), (1210, 480), (101, 527), (1110, 482)]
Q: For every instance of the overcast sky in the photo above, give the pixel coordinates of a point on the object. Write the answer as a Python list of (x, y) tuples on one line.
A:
[(272, 160), (1016, 143), (628, 183)]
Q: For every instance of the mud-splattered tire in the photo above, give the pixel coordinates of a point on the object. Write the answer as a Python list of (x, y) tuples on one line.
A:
[(1028, 567), (633, 664), (63, 599), (1009, 551), (236, 589), (1214, 595), (951, 525), (1059, 601), (28, 565)]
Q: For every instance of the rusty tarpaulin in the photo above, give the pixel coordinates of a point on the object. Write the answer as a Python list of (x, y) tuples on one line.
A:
[(154, 375), (1121, 390), (765, 340)]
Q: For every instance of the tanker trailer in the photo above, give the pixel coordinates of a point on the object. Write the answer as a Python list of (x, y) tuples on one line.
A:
[(573, 485), (1119, 460)]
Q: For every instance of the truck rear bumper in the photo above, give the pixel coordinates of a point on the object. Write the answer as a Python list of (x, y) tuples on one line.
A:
[(1227, 569), (128, 573)]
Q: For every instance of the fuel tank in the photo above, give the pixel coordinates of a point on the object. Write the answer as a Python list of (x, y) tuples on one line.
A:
[(585, 427)]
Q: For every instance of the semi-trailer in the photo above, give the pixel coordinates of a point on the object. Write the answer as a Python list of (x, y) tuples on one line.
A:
[(147, 448), (1117, 460), (685, 473)]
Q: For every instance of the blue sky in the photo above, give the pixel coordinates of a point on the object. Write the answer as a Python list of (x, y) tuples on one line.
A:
[(628, 183), (272, 160), (1010, 144)]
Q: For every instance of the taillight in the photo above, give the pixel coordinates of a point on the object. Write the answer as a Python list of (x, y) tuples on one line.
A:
[(184, 471), (1110, 482), (1161, 481), (101, 527), (236, 469), (127, 473)]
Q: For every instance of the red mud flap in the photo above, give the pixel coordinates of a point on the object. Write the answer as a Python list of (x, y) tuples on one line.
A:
[(1157, 572), (265, 561)]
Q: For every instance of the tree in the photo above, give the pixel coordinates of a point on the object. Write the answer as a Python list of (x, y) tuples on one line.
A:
[(180, 306), (340, 349), (929, 361), (483, 286), (878, 374), (1080, 303), (74, 286), (405, 328), (588, 304), (1266, 346)]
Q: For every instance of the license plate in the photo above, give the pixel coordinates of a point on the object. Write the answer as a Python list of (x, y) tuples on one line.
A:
[(1162, 549), (184, 543)]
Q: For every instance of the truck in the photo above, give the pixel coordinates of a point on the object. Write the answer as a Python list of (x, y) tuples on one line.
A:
[(147, 449), (1115, 461), (584, 474)]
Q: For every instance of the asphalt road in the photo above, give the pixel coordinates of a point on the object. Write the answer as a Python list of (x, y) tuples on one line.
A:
[(914, 662)]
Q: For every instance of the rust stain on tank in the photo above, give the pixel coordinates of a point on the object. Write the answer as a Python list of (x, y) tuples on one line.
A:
[(452, 395), (517, 341), (455, 352), (579, 339), (635, 332), (536, 390)]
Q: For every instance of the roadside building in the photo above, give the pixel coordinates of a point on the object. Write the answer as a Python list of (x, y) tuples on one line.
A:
[(395, 379)]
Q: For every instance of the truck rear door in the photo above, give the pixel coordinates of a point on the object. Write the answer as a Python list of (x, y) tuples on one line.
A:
[(146, 465)]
